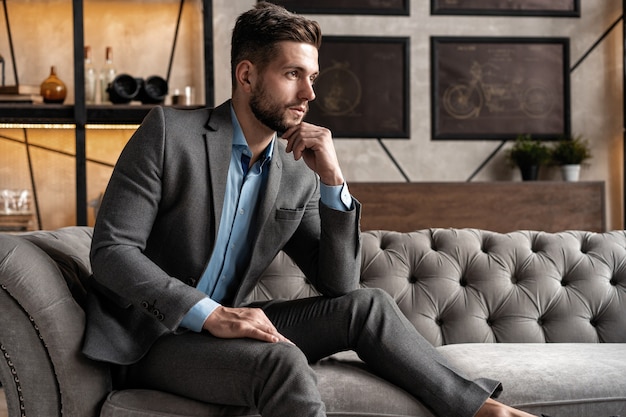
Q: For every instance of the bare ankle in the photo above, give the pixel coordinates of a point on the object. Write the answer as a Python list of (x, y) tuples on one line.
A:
[(493, 408)]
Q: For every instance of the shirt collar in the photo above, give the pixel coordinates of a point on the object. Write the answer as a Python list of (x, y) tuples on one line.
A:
[(239, 140)]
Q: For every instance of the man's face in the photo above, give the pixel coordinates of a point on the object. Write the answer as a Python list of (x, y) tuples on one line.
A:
[(280, 97)]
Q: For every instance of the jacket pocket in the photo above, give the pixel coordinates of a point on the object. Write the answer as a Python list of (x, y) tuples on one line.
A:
[(289, 214)]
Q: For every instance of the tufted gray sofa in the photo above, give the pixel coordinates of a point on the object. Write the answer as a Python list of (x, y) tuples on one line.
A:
[(544, 313)]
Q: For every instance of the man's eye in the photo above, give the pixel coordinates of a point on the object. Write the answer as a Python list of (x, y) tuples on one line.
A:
[(293, 74)]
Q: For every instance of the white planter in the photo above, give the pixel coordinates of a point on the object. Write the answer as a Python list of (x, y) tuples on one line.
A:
[(570, 173)]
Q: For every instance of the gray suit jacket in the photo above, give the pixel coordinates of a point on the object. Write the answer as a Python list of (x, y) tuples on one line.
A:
[(158, 222)]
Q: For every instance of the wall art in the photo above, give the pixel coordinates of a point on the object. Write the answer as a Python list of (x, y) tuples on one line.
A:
[(362, 90), (499, 88), (388, 7), (554, 8)]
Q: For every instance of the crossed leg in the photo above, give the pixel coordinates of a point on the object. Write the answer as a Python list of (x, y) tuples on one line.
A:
[(370, 323)]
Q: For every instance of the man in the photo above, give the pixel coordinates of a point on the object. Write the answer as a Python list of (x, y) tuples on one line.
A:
[(197, 207)]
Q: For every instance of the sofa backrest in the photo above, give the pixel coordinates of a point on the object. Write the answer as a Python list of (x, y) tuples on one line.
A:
[(470, 285), (458, 285)]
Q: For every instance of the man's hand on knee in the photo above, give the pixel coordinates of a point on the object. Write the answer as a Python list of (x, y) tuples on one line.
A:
[(232, 323)]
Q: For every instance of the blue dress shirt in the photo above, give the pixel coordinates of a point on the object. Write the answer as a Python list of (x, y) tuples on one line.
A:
[(236, 232)]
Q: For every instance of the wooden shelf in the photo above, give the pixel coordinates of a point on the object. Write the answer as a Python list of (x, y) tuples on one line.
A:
[(120, 113), (36, 113), (64, 114)]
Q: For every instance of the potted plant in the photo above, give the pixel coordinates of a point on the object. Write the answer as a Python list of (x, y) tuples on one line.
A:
[(528, 155), (570, 153)]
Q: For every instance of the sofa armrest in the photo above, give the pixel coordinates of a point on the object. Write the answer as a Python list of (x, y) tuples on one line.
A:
[(42, 368)]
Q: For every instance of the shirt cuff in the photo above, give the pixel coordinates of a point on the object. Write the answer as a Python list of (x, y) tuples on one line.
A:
[(336, 196), (195, 318)]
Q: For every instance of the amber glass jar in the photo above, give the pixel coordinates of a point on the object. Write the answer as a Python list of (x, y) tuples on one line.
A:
[(53, 90)]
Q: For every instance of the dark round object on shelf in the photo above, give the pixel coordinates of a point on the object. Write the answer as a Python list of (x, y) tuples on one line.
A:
[(124, 89), (153, 90)]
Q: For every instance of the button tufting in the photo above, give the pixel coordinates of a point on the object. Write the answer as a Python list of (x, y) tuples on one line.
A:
[(483, 247)]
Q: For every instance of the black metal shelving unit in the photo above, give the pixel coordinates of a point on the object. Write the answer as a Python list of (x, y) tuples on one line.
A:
[(80, 114)]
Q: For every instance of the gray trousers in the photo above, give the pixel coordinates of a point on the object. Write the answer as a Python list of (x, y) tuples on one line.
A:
[(276, 378)]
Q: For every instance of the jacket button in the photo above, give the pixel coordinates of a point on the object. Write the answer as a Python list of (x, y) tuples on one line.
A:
[(145, 304), (160, 317)]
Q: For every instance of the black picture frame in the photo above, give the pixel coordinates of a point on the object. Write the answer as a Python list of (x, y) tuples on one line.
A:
[(386, 7), (548, 8), (498, 88), (362, 90)]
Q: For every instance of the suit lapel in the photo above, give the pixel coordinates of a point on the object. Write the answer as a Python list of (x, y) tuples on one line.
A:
[(266, 208), (265, 224), (219, 148)]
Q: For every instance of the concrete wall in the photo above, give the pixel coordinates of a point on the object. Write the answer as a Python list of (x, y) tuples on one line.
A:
[(141, 34)]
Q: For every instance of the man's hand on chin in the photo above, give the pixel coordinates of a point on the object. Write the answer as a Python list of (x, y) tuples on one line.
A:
[(315, 145)]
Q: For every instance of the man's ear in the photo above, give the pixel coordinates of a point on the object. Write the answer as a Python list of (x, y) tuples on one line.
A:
[(244, 73)]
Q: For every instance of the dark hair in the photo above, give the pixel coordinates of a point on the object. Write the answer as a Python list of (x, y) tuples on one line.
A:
[(258, 30)]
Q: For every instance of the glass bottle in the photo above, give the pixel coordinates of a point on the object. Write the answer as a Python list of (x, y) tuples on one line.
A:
[(52, 89), (107, 75), (91, 78)]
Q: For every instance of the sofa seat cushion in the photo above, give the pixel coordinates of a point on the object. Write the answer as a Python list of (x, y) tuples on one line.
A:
[(558, 379), (346, 387)]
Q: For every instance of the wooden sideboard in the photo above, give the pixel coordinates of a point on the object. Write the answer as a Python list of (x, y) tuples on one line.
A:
[(549, 206), (16, 222)]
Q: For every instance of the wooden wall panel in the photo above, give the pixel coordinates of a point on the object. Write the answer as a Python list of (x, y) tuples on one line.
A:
[(497, 206)]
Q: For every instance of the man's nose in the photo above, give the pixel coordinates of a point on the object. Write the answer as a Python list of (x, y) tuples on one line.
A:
[(307, 92)]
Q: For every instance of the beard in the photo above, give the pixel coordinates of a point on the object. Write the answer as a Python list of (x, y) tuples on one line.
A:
[(272, 114)]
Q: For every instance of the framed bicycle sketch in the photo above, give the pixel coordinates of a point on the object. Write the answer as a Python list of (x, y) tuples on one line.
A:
[(499, 88), (375, 7), (362, 90), (553, 8)]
